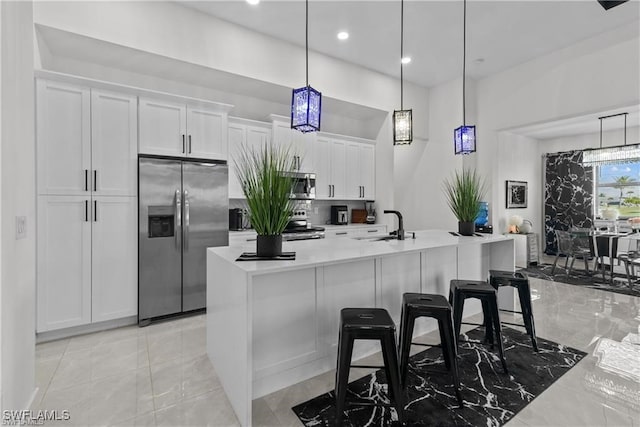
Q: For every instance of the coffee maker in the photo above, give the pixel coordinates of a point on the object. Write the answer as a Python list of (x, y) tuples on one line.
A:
[(371, 212), (339, 215)]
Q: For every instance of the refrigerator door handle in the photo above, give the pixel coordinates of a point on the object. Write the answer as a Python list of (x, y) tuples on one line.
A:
[(178, 219), (186, 220)]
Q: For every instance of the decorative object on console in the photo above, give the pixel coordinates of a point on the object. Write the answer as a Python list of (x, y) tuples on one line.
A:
[(515, 221), (463, 193), (306, 102), (267, 191), (516, 194), (402, 119), (525, 227), (464, 137)]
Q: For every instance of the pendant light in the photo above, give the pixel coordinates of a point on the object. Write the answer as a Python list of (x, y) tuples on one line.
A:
[(306, 102), (402, 119), (464, 137), (612, 155)]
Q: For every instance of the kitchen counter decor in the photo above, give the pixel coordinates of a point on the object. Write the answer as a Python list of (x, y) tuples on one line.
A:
[(267, 190), (464, 193)]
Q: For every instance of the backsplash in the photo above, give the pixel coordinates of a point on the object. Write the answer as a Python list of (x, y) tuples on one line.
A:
[(323, 208)]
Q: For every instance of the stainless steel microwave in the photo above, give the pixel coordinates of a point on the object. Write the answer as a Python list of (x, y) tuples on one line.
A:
[(303, 186)]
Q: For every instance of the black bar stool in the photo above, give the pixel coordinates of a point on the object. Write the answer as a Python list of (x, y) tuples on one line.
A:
[(434, 306), (459, 290), (367, 324), (520, 281)]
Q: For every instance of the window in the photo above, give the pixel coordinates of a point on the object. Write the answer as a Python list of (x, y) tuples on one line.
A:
[(618, 186)]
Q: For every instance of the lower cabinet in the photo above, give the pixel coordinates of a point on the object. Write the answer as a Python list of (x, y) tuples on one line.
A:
[(87, 260)]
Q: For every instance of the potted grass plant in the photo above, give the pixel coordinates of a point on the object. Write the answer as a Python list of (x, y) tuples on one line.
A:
[(264, 174), (464, 192)]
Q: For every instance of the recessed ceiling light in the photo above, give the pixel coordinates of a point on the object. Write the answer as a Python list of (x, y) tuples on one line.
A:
[(343, 35), (406, 60), (253, 2)]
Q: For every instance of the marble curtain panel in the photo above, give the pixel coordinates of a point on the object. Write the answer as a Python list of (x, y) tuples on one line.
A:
[(491, 397), (568, 195)]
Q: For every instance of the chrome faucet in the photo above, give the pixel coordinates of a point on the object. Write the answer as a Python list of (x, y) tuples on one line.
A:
[(400, 231)]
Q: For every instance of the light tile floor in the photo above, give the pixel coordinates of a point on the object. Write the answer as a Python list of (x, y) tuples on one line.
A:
[(160, 375)]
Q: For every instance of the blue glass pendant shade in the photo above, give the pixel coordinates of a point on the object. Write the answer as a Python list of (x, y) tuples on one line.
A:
[(306, 105), (464, 139)]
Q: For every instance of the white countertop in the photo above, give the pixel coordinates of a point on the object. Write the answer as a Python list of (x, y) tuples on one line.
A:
[(311, 253)]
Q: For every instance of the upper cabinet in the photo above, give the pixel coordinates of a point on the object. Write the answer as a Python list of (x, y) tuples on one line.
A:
[(177, 129), (360, 171), (253, 135), (345, 170), (86, 141), (300, 144)]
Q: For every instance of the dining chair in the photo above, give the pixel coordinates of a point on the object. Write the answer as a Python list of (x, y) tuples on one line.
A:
[(572, 246)]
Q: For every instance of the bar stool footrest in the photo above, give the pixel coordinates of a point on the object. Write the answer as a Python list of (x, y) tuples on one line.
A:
[(367, 366), (426, 345), (513, 324), (509, 311)]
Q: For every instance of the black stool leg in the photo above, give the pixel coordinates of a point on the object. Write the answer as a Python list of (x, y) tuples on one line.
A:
[(524, 294), (493, 307), (445, 350), (450, 353), (392, 371), (345, 349), (488, 322), (406, 334), (458, 308)]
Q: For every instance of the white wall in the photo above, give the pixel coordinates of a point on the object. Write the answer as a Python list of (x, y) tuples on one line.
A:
[(419, 168), (17, 288), (519, 161), (589, 77)]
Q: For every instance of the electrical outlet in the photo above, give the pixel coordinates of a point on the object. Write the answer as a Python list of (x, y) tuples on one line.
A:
[(21, 227)]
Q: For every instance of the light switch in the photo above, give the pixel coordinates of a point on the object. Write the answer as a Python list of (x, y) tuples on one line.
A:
[(21, 227)]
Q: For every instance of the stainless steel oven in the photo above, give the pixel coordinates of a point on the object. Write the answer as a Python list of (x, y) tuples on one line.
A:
[(304, 185)]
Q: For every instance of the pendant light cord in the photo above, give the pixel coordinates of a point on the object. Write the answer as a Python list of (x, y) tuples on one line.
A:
[(614, 115), (401, 53), (306, 38), (464, 60)]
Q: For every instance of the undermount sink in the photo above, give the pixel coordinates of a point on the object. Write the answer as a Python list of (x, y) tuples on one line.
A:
[(376, 238)]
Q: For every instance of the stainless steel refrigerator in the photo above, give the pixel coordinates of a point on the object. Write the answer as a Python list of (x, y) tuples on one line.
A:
[(183, 209)]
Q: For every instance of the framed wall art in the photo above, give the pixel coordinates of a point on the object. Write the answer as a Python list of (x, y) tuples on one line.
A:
[(516, 194)]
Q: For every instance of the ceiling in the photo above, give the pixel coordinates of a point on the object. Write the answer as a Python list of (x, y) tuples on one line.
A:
[(583, 124), (500, 34)]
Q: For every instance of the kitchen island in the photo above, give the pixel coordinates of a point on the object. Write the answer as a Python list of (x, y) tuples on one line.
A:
[(271, 324)]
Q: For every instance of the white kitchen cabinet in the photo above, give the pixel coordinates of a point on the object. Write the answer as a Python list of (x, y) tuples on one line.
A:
[(207, 133), (253, 136), (114, 135), (171, 128), (163, 127), (330, 168), (114, 258), (360, 179), (345, 170), (86, 141), (355, 230), (368, 171), (64, 262), (300, 144), (63, 134), (87, 260), (338, 175)]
